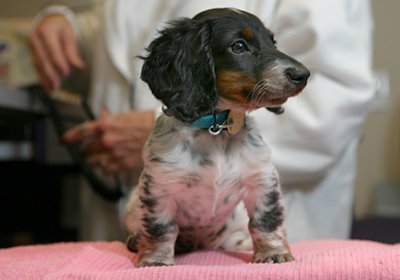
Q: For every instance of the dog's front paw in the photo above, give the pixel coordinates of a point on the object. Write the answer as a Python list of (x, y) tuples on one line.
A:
[(156, 254), (275, 258), (144, 262), (132, 242)]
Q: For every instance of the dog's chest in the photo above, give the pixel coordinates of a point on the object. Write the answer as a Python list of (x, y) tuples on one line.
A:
[(205, 175), (206, 204)]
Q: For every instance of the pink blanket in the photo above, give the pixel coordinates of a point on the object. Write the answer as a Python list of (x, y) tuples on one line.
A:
[(322, 259)]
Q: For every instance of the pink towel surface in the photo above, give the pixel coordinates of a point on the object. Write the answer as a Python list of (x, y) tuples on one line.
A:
[(321, 259)]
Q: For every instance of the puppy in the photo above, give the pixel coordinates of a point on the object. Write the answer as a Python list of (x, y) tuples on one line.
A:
[(205, 163)]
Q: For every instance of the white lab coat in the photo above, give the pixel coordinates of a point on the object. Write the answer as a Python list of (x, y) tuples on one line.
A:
[(314, 143)]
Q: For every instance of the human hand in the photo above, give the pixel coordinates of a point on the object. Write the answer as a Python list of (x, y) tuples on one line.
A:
[(115, 142), (54, 48)]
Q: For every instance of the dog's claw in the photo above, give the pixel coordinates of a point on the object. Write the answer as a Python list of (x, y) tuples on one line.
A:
[(154, 263), (150, 264), (276, 258)]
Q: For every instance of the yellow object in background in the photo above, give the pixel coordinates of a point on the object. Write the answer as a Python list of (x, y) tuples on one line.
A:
[(16, 69)]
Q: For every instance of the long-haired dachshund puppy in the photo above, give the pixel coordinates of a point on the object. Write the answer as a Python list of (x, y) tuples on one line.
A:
[(205, 163)]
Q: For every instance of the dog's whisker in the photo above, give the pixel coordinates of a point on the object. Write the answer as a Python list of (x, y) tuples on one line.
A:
[(255, 91), (257, 86)]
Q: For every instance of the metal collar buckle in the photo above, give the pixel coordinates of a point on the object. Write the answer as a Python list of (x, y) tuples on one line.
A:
[(216, 128)]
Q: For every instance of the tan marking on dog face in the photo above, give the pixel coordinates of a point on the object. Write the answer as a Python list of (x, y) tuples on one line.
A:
[(241, 90), (247, 33), (272, 33), (234, 85)]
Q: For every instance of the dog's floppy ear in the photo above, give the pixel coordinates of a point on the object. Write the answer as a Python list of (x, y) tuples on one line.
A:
[(179, 70)]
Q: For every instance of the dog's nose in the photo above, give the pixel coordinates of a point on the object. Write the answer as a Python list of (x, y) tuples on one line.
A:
[(298, 76)]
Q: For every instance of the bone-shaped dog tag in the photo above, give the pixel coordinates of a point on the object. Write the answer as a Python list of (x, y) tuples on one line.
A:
[(236, 119)]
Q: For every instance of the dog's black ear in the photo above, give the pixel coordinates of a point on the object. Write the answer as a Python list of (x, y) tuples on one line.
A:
[(179, 70)]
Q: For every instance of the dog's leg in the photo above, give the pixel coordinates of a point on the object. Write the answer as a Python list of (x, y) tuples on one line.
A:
[(266, 212), (237, 234), (155, 240), (154, 252)]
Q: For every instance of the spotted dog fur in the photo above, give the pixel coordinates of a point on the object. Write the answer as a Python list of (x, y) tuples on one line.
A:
[(199, 191)]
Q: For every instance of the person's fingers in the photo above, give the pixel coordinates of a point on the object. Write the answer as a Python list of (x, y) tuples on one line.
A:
[(48, 74), (113, 150), (105, 112), (43, 80), (131, 139), (115, 166), (72, 51), (99, 160), (131, 161), (86, 130), (55, 50), (94, 147), (80, 132)]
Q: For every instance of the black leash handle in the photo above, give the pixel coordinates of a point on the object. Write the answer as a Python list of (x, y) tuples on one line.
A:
[(75, 151)]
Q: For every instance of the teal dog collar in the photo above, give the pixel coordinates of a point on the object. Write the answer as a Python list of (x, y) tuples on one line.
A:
[(215, 122), (211, 120)]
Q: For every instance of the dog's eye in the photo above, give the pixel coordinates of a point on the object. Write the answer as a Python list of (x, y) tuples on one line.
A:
[(239, 47)]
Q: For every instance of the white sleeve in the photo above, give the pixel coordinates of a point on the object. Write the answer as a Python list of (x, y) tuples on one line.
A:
[(333, 38), (86, 26), (58, 10)]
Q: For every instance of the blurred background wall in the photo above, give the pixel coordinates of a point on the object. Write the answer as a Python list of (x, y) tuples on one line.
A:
[(29, 8), (377, 188)]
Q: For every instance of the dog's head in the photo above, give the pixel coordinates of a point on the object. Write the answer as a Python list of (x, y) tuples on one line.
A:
[(221, 59)]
